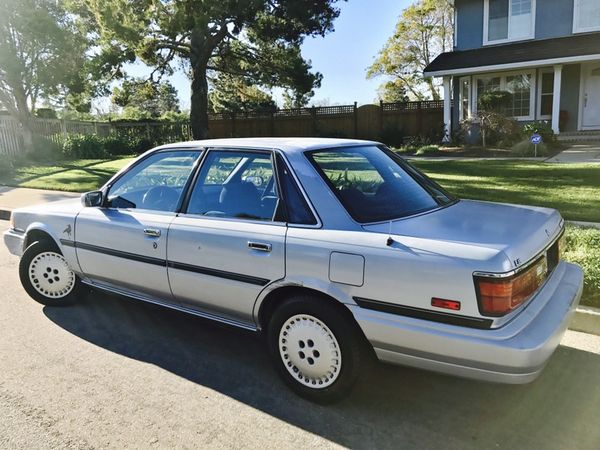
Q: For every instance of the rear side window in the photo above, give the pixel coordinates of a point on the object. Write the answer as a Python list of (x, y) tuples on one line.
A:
[(298, 211)]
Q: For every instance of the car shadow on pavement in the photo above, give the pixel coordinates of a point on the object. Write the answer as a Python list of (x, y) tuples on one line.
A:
[(390, 407)]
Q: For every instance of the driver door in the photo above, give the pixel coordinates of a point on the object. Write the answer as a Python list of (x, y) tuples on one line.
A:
[(123, 245)]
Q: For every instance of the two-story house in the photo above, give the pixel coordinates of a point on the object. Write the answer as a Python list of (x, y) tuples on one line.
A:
[(545, 52)]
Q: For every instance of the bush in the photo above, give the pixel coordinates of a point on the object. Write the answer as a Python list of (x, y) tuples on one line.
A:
[(526, 148), (6, 166), (583, 248), (427, 150), (392, 136), (544, 129), (43, 150), (84, 146)]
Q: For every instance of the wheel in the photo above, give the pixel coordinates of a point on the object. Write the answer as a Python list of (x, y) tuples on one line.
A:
[(315, 348), (46, 276)]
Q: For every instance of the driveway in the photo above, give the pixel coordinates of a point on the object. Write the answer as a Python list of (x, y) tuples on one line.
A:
[(578, 153), (114, 373)]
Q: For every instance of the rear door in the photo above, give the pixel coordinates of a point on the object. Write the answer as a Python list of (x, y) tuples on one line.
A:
[(230, 242)]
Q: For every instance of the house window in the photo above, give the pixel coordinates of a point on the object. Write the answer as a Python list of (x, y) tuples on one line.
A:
[(508, 20), (586, 16), (465, 98), (546, 94), (519, 84)]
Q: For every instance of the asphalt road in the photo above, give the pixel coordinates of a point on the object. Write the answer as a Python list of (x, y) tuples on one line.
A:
[(114, 373)]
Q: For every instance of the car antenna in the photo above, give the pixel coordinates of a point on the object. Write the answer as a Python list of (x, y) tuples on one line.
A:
[(390, 240)]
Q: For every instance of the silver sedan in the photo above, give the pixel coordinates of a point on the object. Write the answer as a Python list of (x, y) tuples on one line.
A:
[(338, 250)]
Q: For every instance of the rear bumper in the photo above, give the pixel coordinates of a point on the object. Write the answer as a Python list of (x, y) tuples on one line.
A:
[(14, 241), (514, 353)]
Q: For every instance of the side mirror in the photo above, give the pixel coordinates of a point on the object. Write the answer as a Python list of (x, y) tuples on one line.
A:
[(91, 199)]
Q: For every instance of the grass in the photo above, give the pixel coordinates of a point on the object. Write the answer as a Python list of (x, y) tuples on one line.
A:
[(79, 175), (573, 189), (583, 248)]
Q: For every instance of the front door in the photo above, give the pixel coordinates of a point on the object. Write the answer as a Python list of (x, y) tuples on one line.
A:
[(124, 244), (590, 119), (230, 242)]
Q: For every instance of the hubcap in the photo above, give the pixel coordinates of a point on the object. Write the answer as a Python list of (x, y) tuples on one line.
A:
[(50, 275), (310, 351)]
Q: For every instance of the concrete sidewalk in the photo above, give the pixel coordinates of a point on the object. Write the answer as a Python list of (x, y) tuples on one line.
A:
[(12, 198), (578, 153)]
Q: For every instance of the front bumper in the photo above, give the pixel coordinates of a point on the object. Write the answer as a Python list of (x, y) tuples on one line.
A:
[(14, 240), (514, 353)]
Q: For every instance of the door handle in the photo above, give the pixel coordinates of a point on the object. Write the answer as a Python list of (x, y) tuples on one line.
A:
[(585, 101), (152, 232), (260, 246)]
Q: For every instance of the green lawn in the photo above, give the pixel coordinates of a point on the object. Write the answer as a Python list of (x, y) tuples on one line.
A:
[(573, 189), (77, 175)]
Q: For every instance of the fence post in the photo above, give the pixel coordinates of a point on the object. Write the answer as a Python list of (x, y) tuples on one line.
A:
[(355, 120), (148, 130), (380, 118), (63, 129), (313, 116), (420, 118), (272, 123), (232, 124)]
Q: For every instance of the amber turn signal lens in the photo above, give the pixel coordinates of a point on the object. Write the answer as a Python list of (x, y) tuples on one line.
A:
[(499, 296)]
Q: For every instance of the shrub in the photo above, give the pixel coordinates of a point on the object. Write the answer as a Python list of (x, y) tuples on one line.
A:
[(6, 166), (526, 148), (84, 146), (392, 136), (583, 248), (43, 150), (543, 128), (427, 150)]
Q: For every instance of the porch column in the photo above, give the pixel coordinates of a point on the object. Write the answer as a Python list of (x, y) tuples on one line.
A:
[(447, 110), (556, 99)]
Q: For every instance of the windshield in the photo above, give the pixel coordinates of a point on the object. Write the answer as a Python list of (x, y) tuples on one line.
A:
[(375, 185)]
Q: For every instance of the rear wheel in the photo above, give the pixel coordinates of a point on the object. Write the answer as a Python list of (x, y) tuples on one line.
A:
[(316, 349), (46, 275)]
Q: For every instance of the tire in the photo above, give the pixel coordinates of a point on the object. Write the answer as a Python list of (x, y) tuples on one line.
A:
[(46, 276), (315, 348)]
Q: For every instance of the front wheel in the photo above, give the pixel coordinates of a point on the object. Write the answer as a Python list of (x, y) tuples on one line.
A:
[(316, 349), (46, 275)]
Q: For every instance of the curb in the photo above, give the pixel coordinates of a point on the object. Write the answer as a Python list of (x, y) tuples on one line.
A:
[(586, 320), (584, 224)]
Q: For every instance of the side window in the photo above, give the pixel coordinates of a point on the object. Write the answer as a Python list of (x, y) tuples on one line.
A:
[(156, 183), (235, 185), (297, 208)]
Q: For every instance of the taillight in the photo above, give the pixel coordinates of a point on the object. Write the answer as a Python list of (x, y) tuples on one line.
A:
[(499, 296)]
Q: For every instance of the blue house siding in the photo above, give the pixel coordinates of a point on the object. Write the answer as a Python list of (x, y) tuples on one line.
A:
[(469, 24), (554, 18)]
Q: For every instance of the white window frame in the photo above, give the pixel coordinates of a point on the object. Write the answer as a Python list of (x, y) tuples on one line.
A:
[(503, 75), (469, 100), (576, 8), (486, 17), (539, 94)]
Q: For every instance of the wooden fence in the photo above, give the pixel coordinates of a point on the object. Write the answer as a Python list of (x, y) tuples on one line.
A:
[(383, 122)]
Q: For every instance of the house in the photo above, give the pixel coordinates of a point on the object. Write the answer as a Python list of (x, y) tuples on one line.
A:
[(545, 52)]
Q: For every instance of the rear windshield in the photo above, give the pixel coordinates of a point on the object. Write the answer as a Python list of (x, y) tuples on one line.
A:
[(375, 185)]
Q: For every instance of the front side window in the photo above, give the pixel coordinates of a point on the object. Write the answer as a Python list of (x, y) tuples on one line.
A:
[(586, 16), (235, 184), (374, 185), (546, 94), (519, 85), (508, 20), (465, 98), (155, 183)]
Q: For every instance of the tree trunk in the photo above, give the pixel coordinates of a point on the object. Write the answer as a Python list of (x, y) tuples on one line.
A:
[(199, 103), (199, 56)]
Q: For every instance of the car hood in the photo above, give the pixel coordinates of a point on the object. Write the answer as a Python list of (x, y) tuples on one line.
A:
[(64, 206), (520, 232)]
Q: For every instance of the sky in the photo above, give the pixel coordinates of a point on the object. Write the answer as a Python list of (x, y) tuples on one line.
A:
[(342, 56)]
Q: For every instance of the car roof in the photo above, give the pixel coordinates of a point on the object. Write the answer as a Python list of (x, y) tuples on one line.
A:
[(285, 144)]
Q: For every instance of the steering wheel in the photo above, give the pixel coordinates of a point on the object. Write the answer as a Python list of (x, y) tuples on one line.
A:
[(163, 198)]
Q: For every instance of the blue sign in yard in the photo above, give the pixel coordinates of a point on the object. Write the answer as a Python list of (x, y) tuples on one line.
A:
[(535, 139)]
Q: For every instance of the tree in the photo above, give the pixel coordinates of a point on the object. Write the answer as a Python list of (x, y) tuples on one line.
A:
[(42, 56), (491, 108), (155, 99), (257, 40), (233, 93), (424, 31), (392, 91)]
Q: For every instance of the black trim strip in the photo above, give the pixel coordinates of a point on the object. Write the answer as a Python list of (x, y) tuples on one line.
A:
[(219, 273), (172, 264), (425, 314)]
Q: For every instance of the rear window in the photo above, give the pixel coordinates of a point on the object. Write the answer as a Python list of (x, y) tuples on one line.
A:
[(375, 185)]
